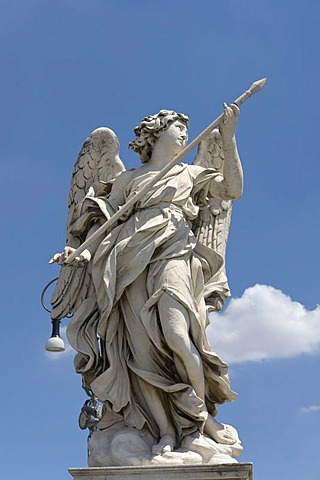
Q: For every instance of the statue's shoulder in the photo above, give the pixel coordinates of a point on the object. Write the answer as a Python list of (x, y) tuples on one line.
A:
[(195, 170), (125, 177)]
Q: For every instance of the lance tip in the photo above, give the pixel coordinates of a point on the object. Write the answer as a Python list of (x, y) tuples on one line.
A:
[(258, 85)]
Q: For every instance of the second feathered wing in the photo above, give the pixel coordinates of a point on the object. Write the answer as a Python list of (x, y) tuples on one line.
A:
[(96, 167), (211, 227)]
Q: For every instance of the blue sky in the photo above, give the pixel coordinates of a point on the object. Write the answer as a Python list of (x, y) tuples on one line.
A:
[(71, 66)]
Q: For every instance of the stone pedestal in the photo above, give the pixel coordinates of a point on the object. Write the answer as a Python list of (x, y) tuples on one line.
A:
[(239, 471)]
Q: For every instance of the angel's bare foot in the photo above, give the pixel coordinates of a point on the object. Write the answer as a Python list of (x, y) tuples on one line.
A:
[(166, 444), (218, 432)]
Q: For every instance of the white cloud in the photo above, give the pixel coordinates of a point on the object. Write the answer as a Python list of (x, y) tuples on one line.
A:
[(60, 355), (310, 409), (264, 324)]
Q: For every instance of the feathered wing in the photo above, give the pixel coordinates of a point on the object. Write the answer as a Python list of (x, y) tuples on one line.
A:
[(97, 165), (211, 227)]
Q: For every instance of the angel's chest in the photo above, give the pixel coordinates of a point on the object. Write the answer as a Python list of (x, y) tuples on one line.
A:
[(176, 185)]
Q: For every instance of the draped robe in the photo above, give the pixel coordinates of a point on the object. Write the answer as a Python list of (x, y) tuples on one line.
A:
[(153, 252)]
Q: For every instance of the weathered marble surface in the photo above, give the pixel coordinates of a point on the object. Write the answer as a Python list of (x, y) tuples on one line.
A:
[(128, 446), (241, 471), (141, 294)]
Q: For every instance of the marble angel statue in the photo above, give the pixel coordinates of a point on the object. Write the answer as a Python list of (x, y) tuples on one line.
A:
[(140, 294)]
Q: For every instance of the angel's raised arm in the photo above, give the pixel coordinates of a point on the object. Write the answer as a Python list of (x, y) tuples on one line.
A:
[(219, 151), (229, 185)]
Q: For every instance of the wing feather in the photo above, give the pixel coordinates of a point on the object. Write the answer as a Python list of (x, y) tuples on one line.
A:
[(211, 227), (98, 163), (210, 152)]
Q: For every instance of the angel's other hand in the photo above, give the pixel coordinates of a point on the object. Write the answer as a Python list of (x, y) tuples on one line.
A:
[(230, 120), (82, 259), (79, 261), (62, 257)]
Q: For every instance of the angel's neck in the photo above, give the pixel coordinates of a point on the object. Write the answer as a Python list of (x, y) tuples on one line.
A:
[(161, 156)]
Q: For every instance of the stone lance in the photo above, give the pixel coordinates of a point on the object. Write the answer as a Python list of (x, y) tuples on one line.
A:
[(255, 87)]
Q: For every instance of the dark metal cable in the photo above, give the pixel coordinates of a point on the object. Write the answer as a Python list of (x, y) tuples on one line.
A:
[(43, 293)]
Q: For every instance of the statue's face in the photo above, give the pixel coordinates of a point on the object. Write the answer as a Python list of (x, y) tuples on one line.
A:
[(175, 136)]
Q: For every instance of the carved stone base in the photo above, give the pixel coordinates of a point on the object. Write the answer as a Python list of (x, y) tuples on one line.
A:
[(239, 471), (119, 447)]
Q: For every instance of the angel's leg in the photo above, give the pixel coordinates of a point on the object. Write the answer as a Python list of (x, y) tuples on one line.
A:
[(175, 322), (153, 396), (133, 301)]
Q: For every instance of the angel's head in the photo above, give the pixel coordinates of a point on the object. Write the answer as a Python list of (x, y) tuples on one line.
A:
[(150, 129)]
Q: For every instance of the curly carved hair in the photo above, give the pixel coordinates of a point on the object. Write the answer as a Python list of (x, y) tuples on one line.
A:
[(149, 130)]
